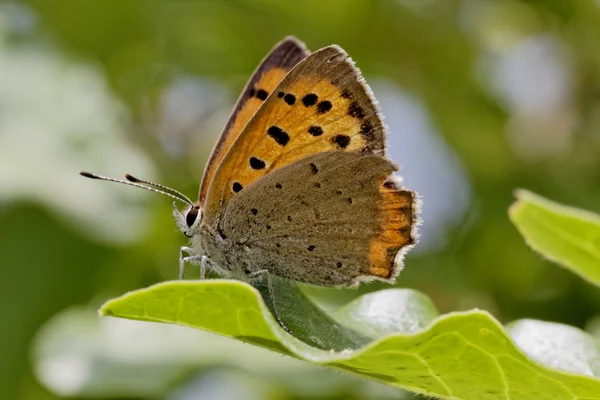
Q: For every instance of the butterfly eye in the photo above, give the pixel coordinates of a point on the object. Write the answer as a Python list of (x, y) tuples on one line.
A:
[(191, 216)]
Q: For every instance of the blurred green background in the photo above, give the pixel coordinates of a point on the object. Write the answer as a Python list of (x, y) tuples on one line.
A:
[(481, 97)]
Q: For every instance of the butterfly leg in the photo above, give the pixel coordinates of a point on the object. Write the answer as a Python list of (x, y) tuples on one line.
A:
[(183, 250), (193, 260), (264, 272), (204, 265)]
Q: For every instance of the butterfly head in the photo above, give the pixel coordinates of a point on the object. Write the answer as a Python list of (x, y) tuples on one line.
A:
[(189, 219)]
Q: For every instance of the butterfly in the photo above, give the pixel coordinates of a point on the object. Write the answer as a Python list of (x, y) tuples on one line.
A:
[(298, 185)]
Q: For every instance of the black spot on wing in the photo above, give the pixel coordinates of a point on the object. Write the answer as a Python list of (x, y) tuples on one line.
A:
[(262, 94), (342, 141), (356, 111), (315, 130), (257, 163), (366, 129), (389, 184), (280, 136), (310, 100), (290, 99), (323, 107)]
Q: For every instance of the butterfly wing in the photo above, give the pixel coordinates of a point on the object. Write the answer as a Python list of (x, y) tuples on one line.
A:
[(333, 218), (323, 104), (280, 60)]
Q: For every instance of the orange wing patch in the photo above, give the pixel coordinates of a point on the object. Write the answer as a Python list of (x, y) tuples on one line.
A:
[(397, 224), (321, 105), (275, 66)]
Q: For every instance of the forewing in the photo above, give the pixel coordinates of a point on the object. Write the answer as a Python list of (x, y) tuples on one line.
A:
[(272, 69), (329, 219), (322, 105)]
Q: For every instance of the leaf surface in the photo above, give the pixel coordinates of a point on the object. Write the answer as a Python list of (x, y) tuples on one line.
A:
[(392, 336)]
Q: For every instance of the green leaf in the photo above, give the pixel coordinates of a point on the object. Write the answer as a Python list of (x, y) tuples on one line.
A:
[(566, 235), (465, 355)]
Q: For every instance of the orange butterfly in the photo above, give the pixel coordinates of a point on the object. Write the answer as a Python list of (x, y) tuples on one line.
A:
[(298, 185)]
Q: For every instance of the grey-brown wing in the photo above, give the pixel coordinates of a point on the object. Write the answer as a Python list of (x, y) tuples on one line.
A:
[(329, 219)]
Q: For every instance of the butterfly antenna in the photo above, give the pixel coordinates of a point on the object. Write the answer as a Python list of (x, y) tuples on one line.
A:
[(159, 186), (182, 199)]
